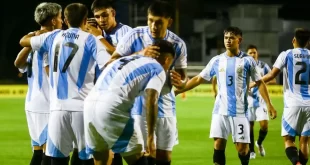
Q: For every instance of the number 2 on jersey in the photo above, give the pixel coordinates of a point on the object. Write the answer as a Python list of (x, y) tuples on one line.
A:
[(74, 47), (304, 69)]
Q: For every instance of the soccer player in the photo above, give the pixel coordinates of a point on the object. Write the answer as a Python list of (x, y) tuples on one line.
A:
[(141, 40), (257, 109), (108, 120), (48, 16), (105, 27), (109, 32), (72, 54), (296, 79), (233, 69)]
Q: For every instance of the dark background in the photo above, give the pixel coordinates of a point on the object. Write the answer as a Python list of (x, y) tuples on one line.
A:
[(18, 20)]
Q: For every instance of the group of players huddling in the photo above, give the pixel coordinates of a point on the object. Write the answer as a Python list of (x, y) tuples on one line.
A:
[(106, 92)]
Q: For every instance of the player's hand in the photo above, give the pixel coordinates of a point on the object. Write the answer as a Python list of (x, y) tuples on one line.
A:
[(96, 31), (176, 80), (252, 84), (272, 111), (176, 92), (39, 32), (150, 149), (150, 51)]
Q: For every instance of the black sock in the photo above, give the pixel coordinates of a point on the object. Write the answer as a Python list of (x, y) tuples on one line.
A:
[(162, 162), (292, 154), (46, 160), (261, 136), (117, 160), (151, 160), (59, 161), (244, 158), (141, 161), (219, 157), (302, 159), (252, 141), (75, 160), (36, 157)]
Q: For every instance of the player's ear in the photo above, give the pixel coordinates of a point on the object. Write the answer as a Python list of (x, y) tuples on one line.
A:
[(66, 22), (240, 40), (170, 21), (294, 40), (113, 12)]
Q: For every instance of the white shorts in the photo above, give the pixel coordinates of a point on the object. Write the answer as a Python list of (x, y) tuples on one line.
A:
[(66, 128), (296, 121), (166, 133), (105, 130), (258, 113), (222, 126), (37, 125)]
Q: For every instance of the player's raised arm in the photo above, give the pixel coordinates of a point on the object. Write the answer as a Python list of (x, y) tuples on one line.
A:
[(21, 59), (192, 83), (255, 75)]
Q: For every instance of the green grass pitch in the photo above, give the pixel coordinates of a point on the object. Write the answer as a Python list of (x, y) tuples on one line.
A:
[(195, 148)]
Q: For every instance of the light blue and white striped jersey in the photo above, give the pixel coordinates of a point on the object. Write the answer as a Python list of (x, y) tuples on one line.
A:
[(233, 76), (138, 39), (126, 78), (116, 34), (113, 38), (72, 54), (254, 97), (296, 76), (37, 99)]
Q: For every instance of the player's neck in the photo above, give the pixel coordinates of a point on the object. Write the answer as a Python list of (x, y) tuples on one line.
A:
[(49, 28), (232, 53), (111, 28)]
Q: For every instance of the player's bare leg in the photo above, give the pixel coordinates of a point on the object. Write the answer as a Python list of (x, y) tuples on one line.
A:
[(163, 157), (103, 157), (219, 151), (37, 155), (252, 151), (303, 149), (243, 152), (291, 150), (136, 159)]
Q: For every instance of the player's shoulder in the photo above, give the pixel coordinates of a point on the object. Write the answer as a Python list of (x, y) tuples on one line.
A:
[(173, 38), (123, 26), (140, 29)]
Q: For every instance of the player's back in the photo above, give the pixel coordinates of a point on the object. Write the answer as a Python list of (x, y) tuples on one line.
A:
[(296, 77), (37, 99), (72, 59), (126, 78)]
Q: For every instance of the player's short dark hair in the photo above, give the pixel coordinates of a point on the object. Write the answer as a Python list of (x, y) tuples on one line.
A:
[(302, 36), (165, 47), (99, 4), (46, 11), (251, 46), (75, 13), (233, 29), (161, 9)]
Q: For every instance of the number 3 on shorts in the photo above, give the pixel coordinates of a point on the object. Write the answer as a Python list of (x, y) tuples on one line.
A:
[(241, 127)]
